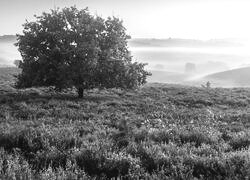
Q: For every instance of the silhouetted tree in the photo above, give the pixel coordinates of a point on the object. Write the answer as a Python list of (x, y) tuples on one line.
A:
[(72, 48)]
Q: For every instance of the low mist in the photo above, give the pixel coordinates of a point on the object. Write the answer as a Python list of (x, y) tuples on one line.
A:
[(8, 53), (174, 60), (170, 60)]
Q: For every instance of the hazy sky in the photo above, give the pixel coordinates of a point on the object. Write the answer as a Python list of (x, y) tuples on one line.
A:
[(199, 19)]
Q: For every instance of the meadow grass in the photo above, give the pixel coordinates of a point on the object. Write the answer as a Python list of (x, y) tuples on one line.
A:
[(159, 131)]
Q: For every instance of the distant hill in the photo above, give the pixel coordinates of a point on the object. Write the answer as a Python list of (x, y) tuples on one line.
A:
[(8, 39), (170, 42), (173, 42), (236, 77)]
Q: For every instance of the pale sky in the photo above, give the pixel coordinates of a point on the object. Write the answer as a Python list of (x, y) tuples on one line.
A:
[(192, 19)]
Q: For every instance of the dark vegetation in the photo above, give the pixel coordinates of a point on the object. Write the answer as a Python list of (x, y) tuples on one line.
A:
[(156, 132)]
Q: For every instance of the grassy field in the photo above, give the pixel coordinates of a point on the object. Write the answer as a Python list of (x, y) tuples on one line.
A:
[(157, 132)]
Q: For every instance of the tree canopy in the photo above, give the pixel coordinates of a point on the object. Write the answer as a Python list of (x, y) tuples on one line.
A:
[(72, 48)]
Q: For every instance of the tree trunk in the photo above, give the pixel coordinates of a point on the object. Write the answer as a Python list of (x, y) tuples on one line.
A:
[(80, 92)]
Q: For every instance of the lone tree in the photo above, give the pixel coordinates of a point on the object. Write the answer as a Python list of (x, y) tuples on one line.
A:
[(72, 48)]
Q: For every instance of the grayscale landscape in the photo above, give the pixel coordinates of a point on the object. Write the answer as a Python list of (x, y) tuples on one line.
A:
[(124, 90)]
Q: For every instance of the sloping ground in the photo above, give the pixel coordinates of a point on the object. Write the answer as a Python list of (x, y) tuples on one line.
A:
[(7, 78), (235, 77), (157, 132)]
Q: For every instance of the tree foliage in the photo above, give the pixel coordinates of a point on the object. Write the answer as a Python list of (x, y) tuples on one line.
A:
[(72, 48)]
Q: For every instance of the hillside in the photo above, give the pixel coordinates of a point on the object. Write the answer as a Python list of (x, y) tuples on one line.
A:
[(7, 77), (160, 131), (235, 77), (175, 42)]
